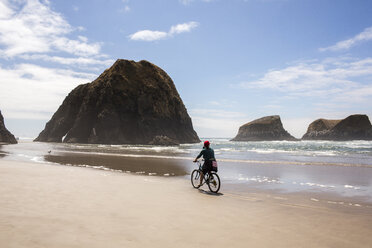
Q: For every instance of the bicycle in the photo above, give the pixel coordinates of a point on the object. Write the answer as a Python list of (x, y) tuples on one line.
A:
[(210, 178)]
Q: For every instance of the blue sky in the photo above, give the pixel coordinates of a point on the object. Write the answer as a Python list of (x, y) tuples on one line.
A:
[(232, 60)]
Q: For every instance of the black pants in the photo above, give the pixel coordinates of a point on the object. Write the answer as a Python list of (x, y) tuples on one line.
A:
[(207, 166)]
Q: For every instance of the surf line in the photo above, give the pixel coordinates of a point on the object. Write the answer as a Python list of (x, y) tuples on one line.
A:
[(220, 160)]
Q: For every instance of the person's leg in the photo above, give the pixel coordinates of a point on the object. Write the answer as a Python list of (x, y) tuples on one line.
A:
[(201, 178), (203, 172)]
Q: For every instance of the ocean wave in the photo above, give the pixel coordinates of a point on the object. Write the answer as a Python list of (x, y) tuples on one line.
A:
[(346, 186), (295, 152), (224, 146), (310, 184), (260, 179)]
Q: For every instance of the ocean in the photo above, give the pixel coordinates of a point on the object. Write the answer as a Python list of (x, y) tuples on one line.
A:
[(319, 167)]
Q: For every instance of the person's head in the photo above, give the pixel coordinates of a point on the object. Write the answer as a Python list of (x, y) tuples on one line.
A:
[(206, 144)]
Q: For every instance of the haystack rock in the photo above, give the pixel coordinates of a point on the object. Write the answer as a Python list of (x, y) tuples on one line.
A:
[(129, 103), (263, 129), (5, 135), (354, 127)]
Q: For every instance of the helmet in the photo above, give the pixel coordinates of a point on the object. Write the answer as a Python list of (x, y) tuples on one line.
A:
[(206, 143)]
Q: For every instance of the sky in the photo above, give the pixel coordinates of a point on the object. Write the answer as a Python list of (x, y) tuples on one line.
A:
[(232, 61)]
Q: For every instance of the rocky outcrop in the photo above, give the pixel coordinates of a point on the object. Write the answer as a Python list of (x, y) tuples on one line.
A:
[(263, 129), (354, 127), (129, 103), (162, 141), (5, 135), (319, 128)]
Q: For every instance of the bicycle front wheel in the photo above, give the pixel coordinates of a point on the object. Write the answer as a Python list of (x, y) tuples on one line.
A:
[(195, 178), (214, 182)]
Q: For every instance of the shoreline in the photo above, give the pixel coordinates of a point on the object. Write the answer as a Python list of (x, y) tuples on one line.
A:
[(45, 205), (160, 167), (331, 183)]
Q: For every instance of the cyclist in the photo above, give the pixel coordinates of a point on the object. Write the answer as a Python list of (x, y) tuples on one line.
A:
[(208, 155)]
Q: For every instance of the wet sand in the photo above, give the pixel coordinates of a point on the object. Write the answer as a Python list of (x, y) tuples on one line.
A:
[(45, 205), (139, 165), (350, 183)]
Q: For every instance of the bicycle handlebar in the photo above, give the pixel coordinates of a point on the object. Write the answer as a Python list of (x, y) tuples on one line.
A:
[(198, 163)]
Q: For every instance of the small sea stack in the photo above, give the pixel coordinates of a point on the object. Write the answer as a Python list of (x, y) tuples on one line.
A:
[(354, 127), (268, 128), (6, 136), (319, 128), (129, 103)]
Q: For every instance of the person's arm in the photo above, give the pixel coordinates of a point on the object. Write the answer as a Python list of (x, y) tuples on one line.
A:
[(200, 154)]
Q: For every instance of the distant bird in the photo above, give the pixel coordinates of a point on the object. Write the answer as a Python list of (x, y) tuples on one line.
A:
[(49, 151)]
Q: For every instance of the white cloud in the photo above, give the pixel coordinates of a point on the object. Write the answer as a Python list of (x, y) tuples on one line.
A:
[(327, 78), (30, 30), (5, 11), (82, 61), (35, 92), (302, 79), (32, 27), (149, 35), (331, 88), (366, 35), (76, 47), (182, 28)]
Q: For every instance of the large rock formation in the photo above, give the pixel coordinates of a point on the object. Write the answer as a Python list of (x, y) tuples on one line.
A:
[(266, 128), (5, 135), (129, 103), (354, 127), (319, 128)]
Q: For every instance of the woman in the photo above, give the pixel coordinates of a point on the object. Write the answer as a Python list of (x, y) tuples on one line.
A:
[(208, 156)]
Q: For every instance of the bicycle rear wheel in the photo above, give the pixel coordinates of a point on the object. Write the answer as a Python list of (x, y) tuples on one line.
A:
[(195, 178), (214, 182)]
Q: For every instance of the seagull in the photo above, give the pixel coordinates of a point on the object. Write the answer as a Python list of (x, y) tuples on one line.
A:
[(49, 151)]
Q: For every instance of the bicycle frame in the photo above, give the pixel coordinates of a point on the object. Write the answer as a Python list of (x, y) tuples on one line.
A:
[(205, 176)]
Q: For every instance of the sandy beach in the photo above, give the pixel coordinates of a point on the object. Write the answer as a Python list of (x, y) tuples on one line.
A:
[(44, 205)]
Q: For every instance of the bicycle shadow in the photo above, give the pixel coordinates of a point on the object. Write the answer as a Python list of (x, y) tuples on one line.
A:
[(207, 192)]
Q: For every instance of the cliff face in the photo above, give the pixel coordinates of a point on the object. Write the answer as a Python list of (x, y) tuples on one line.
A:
[(263, 129), (354, 127), (129, 103), (5, 135)]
